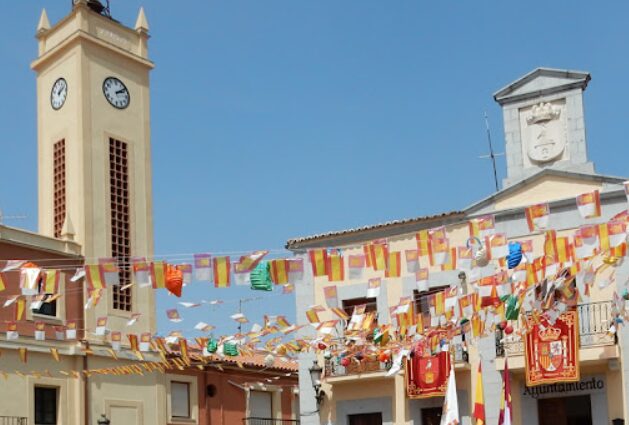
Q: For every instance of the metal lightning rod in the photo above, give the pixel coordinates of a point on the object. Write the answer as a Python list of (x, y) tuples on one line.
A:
[(491, 155)]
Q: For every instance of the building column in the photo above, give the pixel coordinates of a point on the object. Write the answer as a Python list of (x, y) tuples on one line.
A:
[(492, 381)]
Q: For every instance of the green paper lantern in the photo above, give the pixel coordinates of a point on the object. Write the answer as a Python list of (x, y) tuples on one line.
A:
[(512, 308), (230, 349), (261, 277), (212, 346)]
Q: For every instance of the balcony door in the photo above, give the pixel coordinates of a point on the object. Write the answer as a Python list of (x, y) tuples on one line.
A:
[(565, 411), (431, 416), (366, 419), (261, 404)]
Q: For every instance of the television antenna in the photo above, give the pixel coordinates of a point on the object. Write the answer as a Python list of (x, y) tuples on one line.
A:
[(491, 155)]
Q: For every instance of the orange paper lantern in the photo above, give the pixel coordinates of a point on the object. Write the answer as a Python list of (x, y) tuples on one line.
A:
[(174, 280)]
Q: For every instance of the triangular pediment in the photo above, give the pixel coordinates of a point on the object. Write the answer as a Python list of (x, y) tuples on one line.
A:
[(540, 82), (546, 186)]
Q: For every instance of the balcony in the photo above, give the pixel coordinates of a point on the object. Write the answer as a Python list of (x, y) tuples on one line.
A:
[(269, 421), (594, 321), (334, 368), (12, 420)]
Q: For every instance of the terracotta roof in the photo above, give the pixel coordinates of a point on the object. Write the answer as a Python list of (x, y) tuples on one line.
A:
[(255, 361), (303, 241)]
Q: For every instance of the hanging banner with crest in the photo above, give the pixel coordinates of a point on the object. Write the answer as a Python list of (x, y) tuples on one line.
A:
[(552, 350)]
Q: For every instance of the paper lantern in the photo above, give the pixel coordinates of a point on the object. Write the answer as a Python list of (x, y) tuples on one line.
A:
[(345, 361), (261, 277), (512, 310), (174, 280), (230, 349), (212, 346), (269, 360), (508, 329), (384, 357), (515, 254)]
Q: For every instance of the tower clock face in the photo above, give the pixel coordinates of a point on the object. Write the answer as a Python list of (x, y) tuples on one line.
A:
[(58, 94), (116, 93)]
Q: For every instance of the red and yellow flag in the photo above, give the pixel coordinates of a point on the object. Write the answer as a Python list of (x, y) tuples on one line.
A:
[(20, 308), (394, 266), (379, 253), (319, 262), (335, 267), (589, 204), (479, 399), (279, 271), (3, 286), (158, 274), (94, 276), (50, 284), (423, 242), (450, 263), (537, 216), (222, 268)]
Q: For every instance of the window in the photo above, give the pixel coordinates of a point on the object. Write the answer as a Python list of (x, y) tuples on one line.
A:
[(59, 186), (422, 303), (46, 308), (120, 222), (365, 419), (45, 406), (180, 399), (261, 404)]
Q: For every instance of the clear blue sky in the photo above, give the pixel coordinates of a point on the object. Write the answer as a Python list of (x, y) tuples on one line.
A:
[(274, 119)]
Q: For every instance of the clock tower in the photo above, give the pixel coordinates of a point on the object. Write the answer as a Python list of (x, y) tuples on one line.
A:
[(544, 123), (94, 149)]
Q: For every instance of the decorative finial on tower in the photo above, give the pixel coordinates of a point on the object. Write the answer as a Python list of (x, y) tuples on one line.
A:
[(142, 24), (44, 23), (67, 230)]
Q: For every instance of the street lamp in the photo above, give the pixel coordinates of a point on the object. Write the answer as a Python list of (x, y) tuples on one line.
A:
[(103, 420), (315, 376)]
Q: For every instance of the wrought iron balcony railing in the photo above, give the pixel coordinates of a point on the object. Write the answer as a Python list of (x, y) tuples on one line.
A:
[(12, 420), (594, 323), (269, 421)]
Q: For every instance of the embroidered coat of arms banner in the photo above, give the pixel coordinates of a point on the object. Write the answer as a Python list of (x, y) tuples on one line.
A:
[(552, 350)]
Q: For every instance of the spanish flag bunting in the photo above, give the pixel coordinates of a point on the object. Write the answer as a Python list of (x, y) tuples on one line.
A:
[(479, 399), (482, 227), (379, 253), (249, 262), (186, 272), (312, 316), (203, 267), (423, 242), (589, 204), (450, 263), (468, 305), (20, 308), (439, 252), (438, 233), (339, 312), (412, 260), (335, 267), (331, 296), (158, 274), (421, 279), (612, 234), (71, 330), (356, 265), (537, 216), (23, 354), (40, 331), (2, 284), (279, 271), (141, 271), (564, 250), (367, 253), (437, 304), (319, 262), (12, 332), (464, 257), (29, 279), (394, 266), (373, 287), (619, 251), (55, 354), (222, 270), (50, 281), (550, 245), (133, 342), (183, 349)]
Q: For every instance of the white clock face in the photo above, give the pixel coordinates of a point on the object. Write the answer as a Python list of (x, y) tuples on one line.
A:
[(58, 94), (116, 93)]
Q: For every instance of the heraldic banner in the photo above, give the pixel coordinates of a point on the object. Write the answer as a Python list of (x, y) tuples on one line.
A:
[(552, 350), (427, 375)]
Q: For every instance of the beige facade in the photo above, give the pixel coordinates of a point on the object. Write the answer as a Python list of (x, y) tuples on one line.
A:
[(367, 390)]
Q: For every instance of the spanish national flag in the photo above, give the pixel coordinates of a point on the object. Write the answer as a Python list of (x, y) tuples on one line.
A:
[(222, 268), (318, 260), (479, 399), (335, 267), (423, 242), (379, 253), (158, 274), (51, 281), (95, 277), (279, 271), (394, 266)]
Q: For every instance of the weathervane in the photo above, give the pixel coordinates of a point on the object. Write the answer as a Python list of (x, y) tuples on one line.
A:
[(491, 155)]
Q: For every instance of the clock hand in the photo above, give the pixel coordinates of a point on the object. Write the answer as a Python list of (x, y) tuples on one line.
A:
[(120, 91)]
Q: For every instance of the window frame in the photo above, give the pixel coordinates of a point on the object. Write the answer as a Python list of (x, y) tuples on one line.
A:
[(38, 389)]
